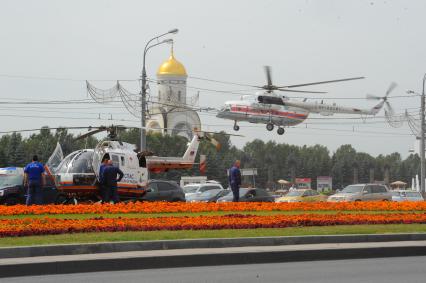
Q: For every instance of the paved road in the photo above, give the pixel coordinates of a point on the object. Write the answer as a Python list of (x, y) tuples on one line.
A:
[(401, 269)]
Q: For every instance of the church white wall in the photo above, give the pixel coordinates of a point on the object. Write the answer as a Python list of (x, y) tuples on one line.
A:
[(171, 89)]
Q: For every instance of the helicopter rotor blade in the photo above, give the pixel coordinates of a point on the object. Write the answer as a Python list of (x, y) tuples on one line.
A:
[(301, 91), (219, 133), (389, 108), (323, 82), (373, 97), (39, 129), (91, 133), (268, 75), (392, 86)]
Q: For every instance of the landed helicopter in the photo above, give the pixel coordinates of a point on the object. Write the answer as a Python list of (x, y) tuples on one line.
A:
[(267, 107), (77, 175)]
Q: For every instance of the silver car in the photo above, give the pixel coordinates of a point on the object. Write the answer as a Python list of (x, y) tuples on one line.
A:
[(362, 192), (406, 195), (191, 190)]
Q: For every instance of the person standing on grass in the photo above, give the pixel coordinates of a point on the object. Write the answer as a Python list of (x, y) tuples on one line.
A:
[(235, 180), (110, 181), (34, 181)]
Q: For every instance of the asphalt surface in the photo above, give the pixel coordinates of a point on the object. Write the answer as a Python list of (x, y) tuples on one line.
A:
[(397, 269)]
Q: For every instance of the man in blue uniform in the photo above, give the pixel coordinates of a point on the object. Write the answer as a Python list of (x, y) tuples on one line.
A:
[(110, 181), (235, 180), (102, 188), (34, 181)]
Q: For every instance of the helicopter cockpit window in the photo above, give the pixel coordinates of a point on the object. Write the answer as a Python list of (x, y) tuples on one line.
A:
[(122, 160), (65, 164), (226, 108), (115, 160), (82, 163)]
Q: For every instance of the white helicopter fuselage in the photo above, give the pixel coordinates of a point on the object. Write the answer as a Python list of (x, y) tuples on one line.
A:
[(249, 110)]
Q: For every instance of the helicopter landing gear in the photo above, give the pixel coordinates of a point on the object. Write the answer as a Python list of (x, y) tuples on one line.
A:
[(269, 126), (236, 127), (280, 131)]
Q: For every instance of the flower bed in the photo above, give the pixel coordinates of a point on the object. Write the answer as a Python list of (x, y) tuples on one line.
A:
[(165, 207), (46, 226)]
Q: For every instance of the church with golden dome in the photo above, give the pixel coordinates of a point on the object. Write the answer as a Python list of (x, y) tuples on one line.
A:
[(172, 112)]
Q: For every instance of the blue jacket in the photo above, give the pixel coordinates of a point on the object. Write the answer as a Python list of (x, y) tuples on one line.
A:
[(34, 171), (234, 176), (101, 173), (110, 175)]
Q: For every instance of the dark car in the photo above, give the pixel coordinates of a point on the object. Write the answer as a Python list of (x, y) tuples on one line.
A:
[(159, 190), (249, 194), (207, 196), (12, 190)]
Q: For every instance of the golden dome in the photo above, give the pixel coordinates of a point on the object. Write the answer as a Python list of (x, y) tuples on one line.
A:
[(172, 67)]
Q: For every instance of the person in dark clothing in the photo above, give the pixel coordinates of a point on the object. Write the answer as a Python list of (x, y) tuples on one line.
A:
[(235, 180), (33, 180), (102, 188), (110, 181)]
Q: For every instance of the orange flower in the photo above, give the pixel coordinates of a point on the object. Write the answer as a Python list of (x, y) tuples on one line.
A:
[(166, 207), (44, 226)]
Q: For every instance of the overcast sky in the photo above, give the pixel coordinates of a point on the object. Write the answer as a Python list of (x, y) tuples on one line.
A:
[(63, 43)]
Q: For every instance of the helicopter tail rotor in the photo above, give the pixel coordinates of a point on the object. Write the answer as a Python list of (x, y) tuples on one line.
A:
[(393, 119)]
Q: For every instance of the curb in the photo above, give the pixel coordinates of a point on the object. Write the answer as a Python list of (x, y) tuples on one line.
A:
[(111, 247), (207, 257)]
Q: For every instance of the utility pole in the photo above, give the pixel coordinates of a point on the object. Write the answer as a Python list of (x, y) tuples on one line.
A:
[(143, 86), (422, 140), (422, 137)]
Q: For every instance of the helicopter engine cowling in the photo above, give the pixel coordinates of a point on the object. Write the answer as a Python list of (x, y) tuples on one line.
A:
[(270, 99)]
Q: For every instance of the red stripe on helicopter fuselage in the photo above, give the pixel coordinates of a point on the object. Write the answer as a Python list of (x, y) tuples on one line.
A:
[(283, 114)]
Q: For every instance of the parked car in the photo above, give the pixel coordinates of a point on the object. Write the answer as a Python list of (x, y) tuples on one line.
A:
[(362, 192), (302, 195), (249, 195), (406, 195), (207, 196), (160, 190), (193, 189), (13, 191)]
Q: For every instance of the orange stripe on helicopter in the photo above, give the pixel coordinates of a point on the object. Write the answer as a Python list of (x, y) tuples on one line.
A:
[(131, 186), (119, 184)]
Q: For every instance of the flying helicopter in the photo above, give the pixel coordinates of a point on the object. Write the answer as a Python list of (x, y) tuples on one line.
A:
[(268, 107)]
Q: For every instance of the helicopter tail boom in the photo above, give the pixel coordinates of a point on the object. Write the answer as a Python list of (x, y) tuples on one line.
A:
[(192, 149)]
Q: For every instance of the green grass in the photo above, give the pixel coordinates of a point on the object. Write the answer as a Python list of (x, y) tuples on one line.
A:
[(189, 234), (191, 214)]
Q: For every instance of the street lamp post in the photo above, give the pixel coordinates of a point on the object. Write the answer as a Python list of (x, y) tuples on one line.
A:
[(143, 87), (422, 138)]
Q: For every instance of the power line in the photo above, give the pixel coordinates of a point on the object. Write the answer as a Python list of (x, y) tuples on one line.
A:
[(25, 77), (70, 118)]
